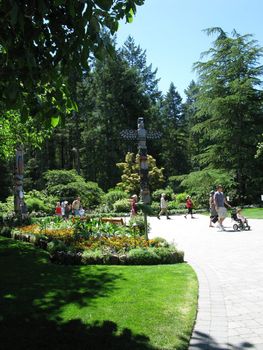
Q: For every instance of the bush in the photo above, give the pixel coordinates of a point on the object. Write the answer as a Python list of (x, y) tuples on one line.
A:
[(159, 242), (152, 256), (122, 206), (56, 246), (67, 185), (169, 255), (137, 223), (35, 204), (40, 201), (7, 206), (156, 195), (113, 196)]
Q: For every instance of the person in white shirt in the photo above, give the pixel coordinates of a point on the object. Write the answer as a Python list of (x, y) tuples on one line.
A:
[(164, 207)]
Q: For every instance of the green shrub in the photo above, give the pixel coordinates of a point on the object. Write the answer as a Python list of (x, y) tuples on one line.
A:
[(156, 195), (35, 204), (67, 185), (113, 196), (40, 201), (5, 231), (159, 242), (152, 256), (56, 246), (7, 206), (122, 206), (141, 256), (138, 224), (169, 255)]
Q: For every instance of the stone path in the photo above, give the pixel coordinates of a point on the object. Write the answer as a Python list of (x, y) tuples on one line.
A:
[(229, 266)]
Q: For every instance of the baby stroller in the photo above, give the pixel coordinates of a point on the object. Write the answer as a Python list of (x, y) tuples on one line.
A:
[(239, 225)]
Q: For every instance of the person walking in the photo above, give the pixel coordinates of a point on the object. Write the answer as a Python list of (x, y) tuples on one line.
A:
[(189, 206), (212, 209), (220, 202), (134, 209), (164, 207)]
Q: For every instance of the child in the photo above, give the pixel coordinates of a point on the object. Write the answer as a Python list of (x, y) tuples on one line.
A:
[(240, 216)]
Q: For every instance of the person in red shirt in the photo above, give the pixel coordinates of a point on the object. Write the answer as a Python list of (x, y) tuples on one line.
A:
[(189, 206), (58, 209)]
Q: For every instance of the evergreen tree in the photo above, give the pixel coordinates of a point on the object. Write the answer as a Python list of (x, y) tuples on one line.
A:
[(174, 138), (229, 109), (194, 137), (136, 58), (114, 100)]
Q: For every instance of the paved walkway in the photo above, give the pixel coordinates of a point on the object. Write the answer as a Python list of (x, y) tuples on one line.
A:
[(229, 266)]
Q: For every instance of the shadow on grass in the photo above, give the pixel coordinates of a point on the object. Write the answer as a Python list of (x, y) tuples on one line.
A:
[(32, 293), (32, 296), (44, 334)]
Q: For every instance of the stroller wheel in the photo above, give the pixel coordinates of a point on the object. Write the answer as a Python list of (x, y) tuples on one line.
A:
[(235, 227)]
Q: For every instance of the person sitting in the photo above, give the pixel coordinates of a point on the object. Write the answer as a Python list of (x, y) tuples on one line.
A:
[(241, 217)]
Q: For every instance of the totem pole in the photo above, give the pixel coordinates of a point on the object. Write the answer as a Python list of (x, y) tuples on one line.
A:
[(19, 203), (141, 135)]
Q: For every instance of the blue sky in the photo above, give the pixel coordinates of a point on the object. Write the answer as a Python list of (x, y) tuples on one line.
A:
[(171, 32)]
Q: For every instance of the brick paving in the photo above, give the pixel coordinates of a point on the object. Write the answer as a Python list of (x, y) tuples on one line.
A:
[(229, 267)]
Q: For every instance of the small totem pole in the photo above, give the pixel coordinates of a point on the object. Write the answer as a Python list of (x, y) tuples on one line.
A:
[(19, 203)]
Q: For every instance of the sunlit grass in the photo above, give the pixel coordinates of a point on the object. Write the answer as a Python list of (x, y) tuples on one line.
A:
[(93, 307)]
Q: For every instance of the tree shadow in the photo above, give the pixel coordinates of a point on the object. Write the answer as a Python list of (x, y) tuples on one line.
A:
[(45, 334), (33, 293), (203, 341), (28, 276)]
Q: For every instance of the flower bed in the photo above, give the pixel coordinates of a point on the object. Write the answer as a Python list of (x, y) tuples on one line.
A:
[(90, 241)]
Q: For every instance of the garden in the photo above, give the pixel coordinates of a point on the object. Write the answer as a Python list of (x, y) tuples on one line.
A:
[(92, 241)]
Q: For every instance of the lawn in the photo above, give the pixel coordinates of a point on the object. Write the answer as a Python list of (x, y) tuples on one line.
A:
[(48, 306), (253, 213), (250, 213)]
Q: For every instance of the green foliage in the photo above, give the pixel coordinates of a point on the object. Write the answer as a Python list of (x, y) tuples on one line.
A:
[(113, 196), (227, 123), (7, 206), (199, 184), (122, 206), (67, 184), (137, 223), (40, 201), (35, 204), (34, 80), (56, 246), (140, 256), (130, 174), (173, 150), (168, 191)]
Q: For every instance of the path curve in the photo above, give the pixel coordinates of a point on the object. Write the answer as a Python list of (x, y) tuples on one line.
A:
[(229, 267)]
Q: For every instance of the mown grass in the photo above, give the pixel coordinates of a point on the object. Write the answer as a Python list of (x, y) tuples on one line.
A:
[(47, 306), (253, 213), (250, 213)]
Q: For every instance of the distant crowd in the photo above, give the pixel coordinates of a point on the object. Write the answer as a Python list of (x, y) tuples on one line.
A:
[(65, 209)]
